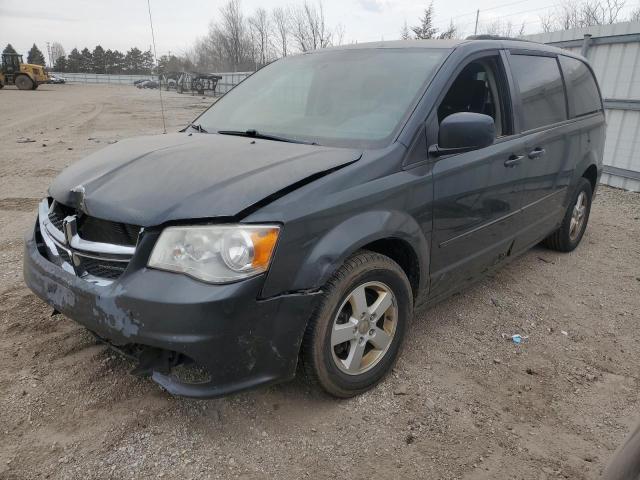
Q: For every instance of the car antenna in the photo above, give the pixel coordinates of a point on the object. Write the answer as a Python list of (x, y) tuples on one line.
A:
[(155, 58)]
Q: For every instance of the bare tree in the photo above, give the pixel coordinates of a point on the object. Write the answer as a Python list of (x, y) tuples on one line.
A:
[(405, 33), (57, 51), (260, 27), (309, 29), (502, 29), (236, 42), (582, 13), (635, 15), (601, 12), (338, 34), (232, 32), (281, 27)]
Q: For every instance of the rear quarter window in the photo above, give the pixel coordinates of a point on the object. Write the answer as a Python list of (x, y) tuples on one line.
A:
[(541, 90), (584, 97)]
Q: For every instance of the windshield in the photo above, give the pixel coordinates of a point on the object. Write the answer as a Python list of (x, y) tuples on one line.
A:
[(351, 98)]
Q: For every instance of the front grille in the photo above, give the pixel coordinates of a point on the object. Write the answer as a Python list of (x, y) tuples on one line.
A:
[(103, 268), (105, 231), (95, 229), (58, 213), (92, 229)]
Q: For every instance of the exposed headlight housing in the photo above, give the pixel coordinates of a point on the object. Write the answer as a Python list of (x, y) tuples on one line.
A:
[(215, 253)]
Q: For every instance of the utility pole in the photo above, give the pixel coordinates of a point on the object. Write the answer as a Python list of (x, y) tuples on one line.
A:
[(49, 53), (475, 32)]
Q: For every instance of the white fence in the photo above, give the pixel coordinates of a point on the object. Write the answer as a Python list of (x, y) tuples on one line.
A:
[(614, 54), (228, 81), (104, 78)]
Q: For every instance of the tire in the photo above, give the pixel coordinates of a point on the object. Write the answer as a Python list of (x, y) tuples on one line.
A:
[(1, 85), (23, 82), (334, 366), (35, 86), (625, 463), (568, 236)]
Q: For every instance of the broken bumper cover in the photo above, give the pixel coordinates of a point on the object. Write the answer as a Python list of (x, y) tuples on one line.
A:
[(241, 341)]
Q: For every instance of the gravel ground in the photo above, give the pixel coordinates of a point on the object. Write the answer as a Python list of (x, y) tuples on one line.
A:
[(462, 402)]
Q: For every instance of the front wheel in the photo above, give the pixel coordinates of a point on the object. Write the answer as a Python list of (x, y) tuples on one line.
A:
[(572, 228), (355, 334), (23, 82)]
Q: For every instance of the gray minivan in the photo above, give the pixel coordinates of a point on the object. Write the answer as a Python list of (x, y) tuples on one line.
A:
[(301, 219)]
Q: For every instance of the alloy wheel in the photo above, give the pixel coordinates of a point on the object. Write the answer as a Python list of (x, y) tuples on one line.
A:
[(578, 216), (364, 327)]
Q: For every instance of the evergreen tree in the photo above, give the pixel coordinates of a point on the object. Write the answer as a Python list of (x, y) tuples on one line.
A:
[(98, 60), (133, 61), (35, 56), (148, 62), (60, 65), (426, 29), (449, 32), (86, 61), (118, 62), (9, 49), (73, 61)]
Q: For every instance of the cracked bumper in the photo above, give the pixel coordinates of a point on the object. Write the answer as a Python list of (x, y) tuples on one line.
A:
[(241, 341)]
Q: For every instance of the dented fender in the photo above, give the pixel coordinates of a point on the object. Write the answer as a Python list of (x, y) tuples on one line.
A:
[(331, 251)]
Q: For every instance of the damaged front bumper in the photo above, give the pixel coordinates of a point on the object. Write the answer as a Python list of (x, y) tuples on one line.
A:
[(224, 330)]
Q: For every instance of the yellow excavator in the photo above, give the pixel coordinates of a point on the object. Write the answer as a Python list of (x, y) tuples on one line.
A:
[(25, 76)]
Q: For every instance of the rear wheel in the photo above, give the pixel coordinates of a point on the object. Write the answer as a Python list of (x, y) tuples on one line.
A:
[(355, 335), (23, 82), (568, 236)]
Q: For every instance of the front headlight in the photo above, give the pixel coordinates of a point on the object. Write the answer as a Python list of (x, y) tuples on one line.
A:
[(215, 253)]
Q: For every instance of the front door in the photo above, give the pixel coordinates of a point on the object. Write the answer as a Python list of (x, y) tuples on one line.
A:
[(478, 194)]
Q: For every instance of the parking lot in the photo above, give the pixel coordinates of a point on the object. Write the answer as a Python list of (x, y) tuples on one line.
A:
[(463, 401)]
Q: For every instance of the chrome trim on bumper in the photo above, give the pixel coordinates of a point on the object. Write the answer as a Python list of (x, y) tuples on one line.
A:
[(73, 246)]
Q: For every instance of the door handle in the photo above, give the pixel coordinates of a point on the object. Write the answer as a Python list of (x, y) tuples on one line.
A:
[(537, 152), (513, 160)]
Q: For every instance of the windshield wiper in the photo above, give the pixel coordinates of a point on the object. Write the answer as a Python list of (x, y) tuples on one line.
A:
[(256, 134), (198, 127)]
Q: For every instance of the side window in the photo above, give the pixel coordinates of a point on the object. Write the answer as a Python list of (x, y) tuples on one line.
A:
[(541, 90), (584, 97), (480, 88)]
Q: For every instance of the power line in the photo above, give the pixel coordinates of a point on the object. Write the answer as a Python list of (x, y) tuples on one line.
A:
[(522, 12)]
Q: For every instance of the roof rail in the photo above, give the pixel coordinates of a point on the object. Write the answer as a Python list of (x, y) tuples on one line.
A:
[(496, 37)]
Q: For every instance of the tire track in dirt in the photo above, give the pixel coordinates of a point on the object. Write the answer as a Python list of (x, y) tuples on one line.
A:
[(20, 204)]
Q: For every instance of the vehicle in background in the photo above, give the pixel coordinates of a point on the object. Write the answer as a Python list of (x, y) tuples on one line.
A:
[(197, 82), (169, 80), (56, 79), (303, 215), (140, 80), (25, 76), (148, 84)]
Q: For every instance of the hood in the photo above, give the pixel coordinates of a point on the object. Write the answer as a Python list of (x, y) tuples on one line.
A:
[(150, 180)]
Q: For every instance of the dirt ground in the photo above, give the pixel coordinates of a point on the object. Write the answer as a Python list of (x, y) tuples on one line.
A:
[(462, 402)]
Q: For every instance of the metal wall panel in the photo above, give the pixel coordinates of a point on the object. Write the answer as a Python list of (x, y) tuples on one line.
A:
[(614, 54)]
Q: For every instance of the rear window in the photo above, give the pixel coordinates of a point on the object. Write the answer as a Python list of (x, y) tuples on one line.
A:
[(541, 90), (584, 97)]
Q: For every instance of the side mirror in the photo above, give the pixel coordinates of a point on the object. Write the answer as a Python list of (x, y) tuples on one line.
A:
[(463, 132)]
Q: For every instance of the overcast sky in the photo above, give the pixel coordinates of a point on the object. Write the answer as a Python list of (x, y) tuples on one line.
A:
[(121, 24)]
